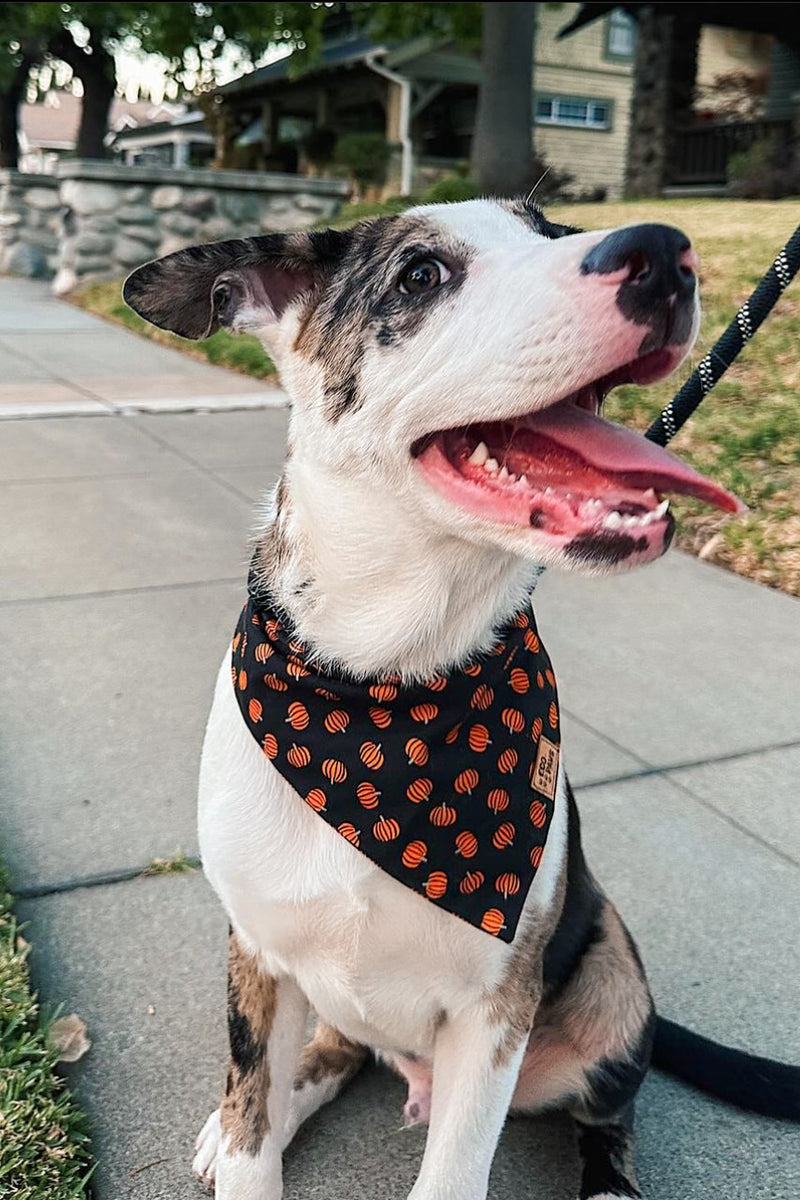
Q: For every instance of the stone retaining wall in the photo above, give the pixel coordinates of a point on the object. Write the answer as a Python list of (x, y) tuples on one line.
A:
[(30, 224), (97, 220)]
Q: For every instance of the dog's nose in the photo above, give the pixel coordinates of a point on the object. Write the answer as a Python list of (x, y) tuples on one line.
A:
[(652, 263)]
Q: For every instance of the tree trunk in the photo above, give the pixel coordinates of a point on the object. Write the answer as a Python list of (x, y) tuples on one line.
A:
[(10, 100), (663, 94), (502, 148), (97, 73)]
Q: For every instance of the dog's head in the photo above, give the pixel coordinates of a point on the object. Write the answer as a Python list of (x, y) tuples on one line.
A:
[(456, 356)]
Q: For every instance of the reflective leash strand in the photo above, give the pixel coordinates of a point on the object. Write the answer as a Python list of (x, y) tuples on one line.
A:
[(729, 345)]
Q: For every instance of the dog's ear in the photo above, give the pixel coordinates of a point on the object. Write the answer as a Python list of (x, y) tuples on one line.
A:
[(248, 281)]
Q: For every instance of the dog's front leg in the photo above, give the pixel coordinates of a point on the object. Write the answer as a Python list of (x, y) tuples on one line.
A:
[(266, 1023), (475, 1067)]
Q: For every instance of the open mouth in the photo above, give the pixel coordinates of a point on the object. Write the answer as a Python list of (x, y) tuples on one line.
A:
[(566, 472)]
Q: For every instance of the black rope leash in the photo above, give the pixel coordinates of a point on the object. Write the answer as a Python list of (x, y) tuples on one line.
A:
[(737, 335)]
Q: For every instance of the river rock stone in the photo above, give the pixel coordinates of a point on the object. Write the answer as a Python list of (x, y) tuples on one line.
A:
[(42, 198), (90, 242), (136, 214), (87, 197), (132, 253), (168, 195), (200, 203), (179, 222), (22, 260)]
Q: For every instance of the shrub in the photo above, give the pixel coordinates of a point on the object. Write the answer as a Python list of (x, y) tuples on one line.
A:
[(365, 155), (451, 188), (764, 171)]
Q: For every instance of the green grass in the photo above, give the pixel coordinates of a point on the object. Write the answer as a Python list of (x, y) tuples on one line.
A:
[(241, 353), (746, 434), (43, 1142)]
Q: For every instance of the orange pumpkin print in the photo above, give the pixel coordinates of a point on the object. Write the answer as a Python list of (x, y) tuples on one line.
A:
[(550, 677), (254, 710), (435, 885), (513, 720), (539, 679), (424, 713), (467, 844), (417, 752), (334, 770), (519, 680), (381, 717), (270, 745), (508, 884), (473, 669), (521, 620), (337, 721), (498, 800), (368, 795), (235, 642), (471, 882), (349, 831), (383, 691), (466, 781), (298, 716), (531, 641), (317, 799), (493, 922), (256, 619), (296, 669), (419, 790), (263, 652), (296, 646), (507, 762), (326, 695), (453, 734), (538, 814), (275, 683), (371, 756), (478, 738), (272, 628), (504, 836), (442, 814), (386, 829), (536, 728), (414, 854), (243, 681), (536, 856), (482, 697), (234, 675), (299, 756), (437, 684), (552, 715)]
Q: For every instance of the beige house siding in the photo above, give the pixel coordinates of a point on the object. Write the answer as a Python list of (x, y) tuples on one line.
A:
[(728, 51), (579, 67)]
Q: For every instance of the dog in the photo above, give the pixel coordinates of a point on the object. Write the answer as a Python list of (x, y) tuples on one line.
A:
[(447, 368)]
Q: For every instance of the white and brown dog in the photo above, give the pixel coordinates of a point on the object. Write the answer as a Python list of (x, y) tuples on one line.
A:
[(446, 368)]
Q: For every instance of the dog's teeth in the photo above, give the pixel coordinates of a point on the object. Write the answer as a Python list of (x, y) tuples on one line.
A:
[(503, 472), (479, 455), (548, 491), (491, 464), (613, 521), (650, 494), (630, 520), (523, 479), (661, 511)]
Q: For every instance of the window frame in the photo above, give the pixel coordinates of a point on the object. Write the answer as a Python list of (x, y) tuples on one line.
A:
[(610, 54), (556, 122)]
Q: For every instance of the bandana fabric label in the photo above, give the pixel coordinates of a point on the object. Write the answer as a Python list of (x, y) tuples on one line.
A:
[(448, 786)]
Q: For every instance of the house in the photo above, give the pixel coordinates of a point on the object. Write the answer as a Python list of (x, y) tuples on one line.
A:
[(421, 96), (48, 131)]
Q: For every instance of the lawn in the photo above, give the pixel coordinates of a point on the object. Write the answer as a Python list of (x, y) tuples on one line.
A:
[(746, 434), (43, 1143)]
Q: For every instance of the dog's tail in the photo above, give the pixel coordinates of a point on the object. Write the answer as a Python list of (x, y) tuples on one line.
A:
[(755, 1084)]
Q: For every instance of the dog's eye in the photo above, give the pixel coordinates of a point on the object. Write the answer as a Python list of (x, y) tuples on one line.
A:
[(422, 276)]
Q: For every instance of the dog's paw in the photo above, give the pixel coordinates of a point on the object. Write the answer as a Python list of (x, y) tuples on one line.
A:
[(204, 1164)]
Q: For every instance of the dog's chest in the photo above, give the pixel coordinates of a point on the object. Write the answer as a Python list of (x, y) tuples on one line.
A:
[(377, 961)]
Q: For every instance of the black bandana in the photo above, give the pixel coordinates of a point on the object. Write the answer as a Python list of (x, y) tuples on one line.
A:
[(448, 786)]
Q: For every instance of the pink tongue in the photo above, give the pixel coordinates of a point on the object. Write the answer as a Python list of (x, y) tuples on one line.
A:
[(613, 448)]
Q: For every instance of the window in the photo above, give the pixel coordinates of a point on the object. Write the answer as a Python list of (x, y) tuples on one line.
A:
[(620, 36), (573, 111)]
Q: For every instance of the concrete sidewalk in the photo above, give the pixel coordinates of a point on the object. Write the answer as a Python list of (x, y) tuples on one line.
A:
[(125, 549), (56, 359)]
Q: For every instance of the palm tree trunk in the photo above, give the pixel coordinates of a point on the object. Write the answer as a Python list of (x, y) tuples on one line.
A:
[(502, 145)]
